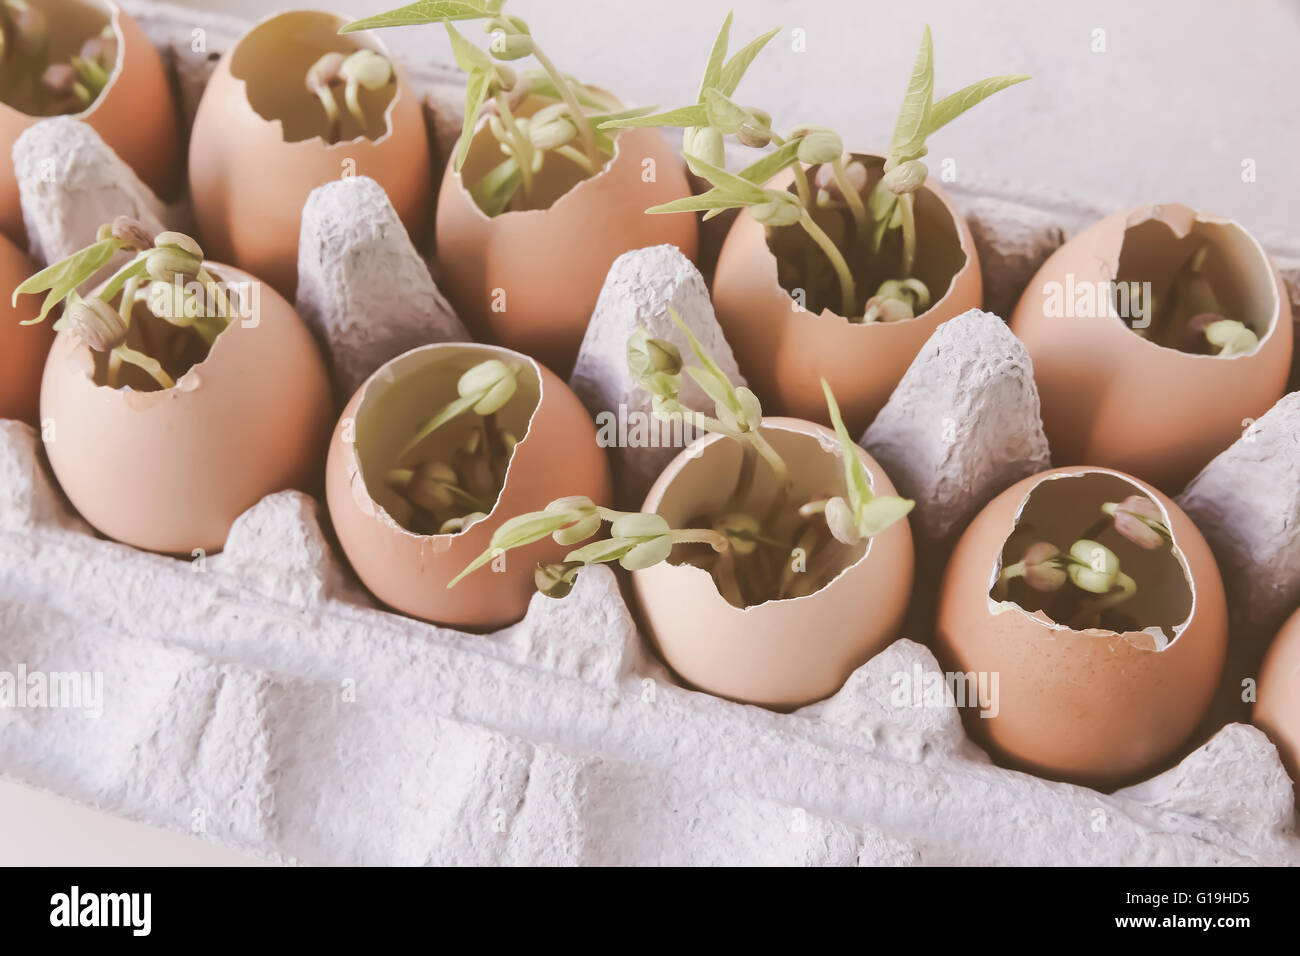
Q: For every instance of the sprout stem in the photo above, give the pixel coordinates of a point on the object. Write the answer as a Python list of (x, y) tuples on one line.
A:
[(848, 291), (852, 197), (150, 365), (571, 101), (523, 148), (908, 211)]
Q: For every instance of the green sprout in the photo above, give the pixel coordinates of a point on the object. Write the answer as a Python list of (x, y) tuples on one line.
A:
[(36, 84), (1191, 317), (167, 273), (364, 69), (567, 127), (852, 232)]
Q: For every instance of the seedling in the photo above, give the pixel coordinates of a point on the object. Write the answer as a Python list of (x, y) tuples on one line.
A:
[(867, 240), (1084, 582), (1191, 318), (746, 544), (450, 495), (166, 278), (364, 69), (36, 84), (565, 128)]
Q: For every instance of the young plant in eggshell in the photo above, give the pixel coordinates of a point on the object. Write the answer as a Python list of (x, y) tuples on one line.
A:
[(1277, 710), (538, 199), (177, 394), (431, 455), (770, 559), (88, 59), (1157, 335), (291, 106), (839, 264), (23, 345), (1098, 606)]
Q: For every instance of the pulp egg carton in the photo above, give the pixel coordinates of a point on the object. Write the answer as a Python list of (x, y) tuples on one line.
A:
[(260, 698)]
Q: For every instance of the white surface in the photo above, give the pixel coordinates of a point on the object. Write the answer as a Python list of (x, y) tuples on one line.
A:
[(1184, 92)]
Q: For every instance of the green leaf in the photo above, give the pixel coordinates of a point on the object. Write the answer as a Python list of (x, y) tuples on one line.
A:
[(136, 268), (685, 116), (950, 107), (729, 183), (516, 533), (714, 199), (476, 91), (713, 70), (494, 191), (450, 411), (855, 473), (735, 69), (427, 11), (611, 549), (723, 114), (779, 160), (599, 119), (63, 277), (914, 116), (468, 57), (880, 512), (719, 391)]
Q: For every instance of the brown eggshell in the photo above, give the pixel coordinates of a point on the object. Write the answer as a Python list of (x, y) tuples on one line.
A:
[(557, 455), (1091, 706), (171, 470), (781, 654), (1277, 710), (22, 347), (251, 173), (135, 114), (783, 350), (1109, 396), (551, 263)]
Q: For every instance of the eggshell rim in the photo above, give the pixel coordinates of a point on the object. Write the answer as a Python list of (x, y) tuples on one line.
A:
[(399, 76), (825, 437), (1138, 639), (115, 14), (965, 242), (454, 176), (353, 464), (1151, 211)]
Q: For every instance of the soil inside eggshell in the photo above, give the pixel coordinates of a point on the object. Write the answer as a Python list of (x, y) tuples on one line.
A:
[(71, 23), (395, 410), (557, 176), (805, 273), (1065, 508), (700, 491), (1150, 257), (273, 60)]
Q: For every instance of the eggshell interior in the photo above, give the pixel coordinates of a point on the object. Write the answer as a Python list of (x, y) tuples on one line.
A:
[(135, 114), (1112, 398), (557, 455), (171, 470), (783, 349), (782, 653), (22, 347), (529, 279), (1277, 711), (256, 152), (1090, 706)]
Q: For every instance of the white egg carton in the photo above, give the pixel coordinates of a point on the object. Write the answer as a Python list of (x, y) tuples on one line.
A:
[(259, 698)]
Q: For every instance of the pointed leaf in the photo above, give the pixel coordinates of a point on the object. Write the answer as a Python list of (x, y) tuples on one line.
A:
[(476, 91), (702, 354), (452, 410), (468, 57), (779, 160), (685, 116), (914, 116), (718, 390), (713, 70), (735, 69), (952, 106), (713, 199), (427, 11), (880, 512), (855, 473), (494, 191), (611, 549), (729, 183), (723, 114), (61, 278)]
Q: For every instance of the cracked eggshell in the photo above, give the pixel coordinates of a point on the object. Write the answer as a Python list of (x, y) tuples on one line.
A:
[(251, 173), (1277, 710), (22, 347), (135, 114), (1113, 398), (783, 350), (171, 470), (557, 455), (780, 654), (1092, 706), (529, 279)]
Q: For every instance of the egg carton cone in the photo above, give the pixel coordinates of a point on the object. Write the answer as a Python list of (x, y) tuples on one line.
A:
[(260, 699)]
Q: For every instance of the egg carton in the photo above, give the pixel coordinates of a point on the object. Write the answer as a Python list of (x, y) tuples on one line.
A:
[(259, 698)]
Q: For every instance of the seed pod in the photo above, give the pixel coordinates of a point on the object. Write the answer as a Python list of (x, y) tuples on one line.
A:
[(429, 487), (368, 69), (841, 522), (1043, 571), (755, 137), (906, 177), (1138, 519), (706, 143), (132, 232), (647, 554), (553, 134), (741, 529), (556, 580), (492, 381), (96, 323), (59, 78), (820, 145), (324, 72), (782, 209), (1095, 566), (511, 47)]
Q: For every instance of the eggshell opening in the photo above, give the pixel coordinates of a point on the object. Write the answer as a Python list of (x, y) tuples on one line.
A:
[(1059, 508), (703, 482), (413, 388), (271, 63), (72, 23), (1157, 240)]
